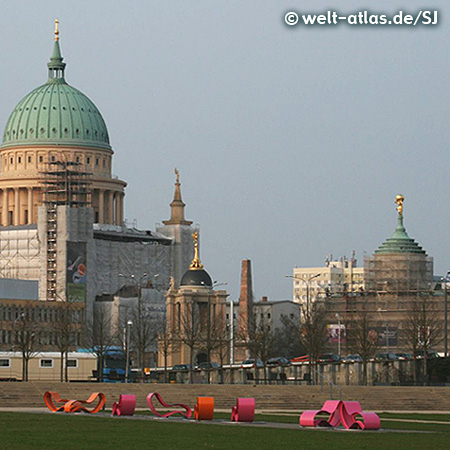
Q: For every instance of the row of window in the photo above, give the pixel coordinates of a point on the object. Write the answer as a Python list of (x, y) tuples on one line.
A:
[(47, 363), (37, 314), (87, 160), (43, 338)]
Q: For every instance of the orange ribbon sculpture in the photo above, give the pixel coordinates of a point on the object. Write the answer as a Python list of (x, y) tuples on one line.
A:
[(204, 409), (72, 406)]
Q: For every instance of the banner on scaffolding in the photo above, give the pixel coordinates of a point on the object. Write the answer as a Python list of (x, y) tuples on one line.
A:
[(76, 271)]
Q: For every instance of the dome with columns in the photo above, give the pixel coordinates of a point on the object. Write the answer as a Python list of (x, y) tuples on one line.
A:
[(56, 125)]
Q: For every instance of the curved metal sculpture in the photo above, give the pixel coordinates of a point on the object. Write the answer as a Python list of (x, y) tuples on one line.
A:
[(244, 411), (72, 406), (349, 414), (125, 406), (187, 413), (53, 396), (352, 411), (204, 408)]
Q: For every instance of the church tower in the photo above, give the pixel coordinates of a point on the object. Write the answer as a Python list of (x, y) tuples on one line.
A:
[(196, 318), (180, 230)]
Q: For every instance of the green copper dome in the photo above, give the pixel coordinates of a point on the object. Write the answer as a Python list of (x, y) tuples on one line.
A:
[(400, 242), (56, 114)]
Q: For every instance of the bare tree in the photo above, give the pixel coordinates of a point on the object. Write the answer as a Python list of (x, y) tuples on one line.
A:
[(213, 333), (99, 336), (168, 343), (261, 338), (313, 334), (422, 330), (144, 333), (361, 337), (66, 330), (287, 340), (25, 330), (190, 331)]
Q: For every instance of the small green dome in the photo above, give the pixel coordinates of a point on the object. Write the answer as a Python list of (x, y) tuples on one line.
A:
[(400, 242), (56, 114)]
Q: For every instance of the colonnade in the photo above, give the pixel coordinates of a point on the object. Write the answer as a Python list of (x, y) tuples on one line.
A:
[(19, 205), (109, 205)]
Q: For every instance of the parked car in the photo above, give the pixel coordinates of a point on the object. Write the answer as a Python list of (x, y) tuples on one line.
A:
[(352, 358), (329, 358), (418, 354), (181, 367), (278, 361), (212, 365), (403, 356), (386, 356), (250, 363)]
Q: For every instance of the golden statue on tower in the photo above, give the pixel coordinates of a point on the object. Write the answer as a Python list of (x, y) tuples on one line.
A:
[(399, 199)]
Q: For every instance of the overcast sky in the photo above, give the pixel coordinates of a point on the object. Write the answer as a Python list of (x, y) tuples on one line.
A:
[(291, 142)]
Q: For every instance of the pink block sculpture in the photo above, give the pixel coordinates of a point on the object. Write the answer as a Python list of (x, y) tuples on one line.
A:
[(244, 411), (349, 413), (309, 418), (339, 412), (125, 406), (187, 413)]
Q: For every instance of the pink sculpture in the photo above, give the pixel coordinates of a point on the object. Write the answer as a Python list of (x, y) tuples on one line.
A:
[(349, 413), (341, 412), (187, 413), (125, 406), (309, 418), (244, 411)]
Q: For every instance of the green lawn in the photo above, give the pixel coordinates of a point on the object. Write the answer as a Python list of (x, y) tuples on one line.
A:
[(20, 431)]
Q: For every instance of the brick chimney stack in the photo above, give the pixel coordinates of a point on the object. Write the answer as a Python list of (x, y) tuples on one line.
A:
[(246, 299)]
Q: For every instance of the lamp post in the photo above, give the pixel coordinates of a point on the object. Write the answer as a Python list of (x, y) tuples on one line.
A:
[(445, 279), (139, 330), (338, 317), (387, 337), (308, 287), (127, 359)]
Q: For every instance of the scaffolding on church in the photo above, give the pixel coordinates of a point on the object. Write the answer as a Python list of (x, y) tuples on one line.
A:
[(19, 253), (65, 184), (400, 273)]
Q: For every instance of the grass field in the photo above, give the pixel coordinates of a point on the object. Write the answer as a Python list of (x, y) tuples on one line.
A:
[(23, 431)]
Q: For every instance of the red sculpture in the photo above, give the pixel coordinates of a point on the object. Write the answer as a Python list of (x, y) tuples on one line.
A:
[(347, 413), (244, 411), (204, 408), (187, 413), (125, 406), (71, 406)]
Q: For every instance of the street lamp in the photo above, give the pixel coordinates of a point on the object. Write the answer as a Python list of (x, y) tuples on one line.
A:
[(445, 280), (338, 317), (307, 283), (387, 337), (127, 359)]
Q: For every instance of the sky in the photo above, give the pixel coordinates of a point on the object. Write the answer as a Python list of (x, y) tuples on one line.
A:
[(291, 142)]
